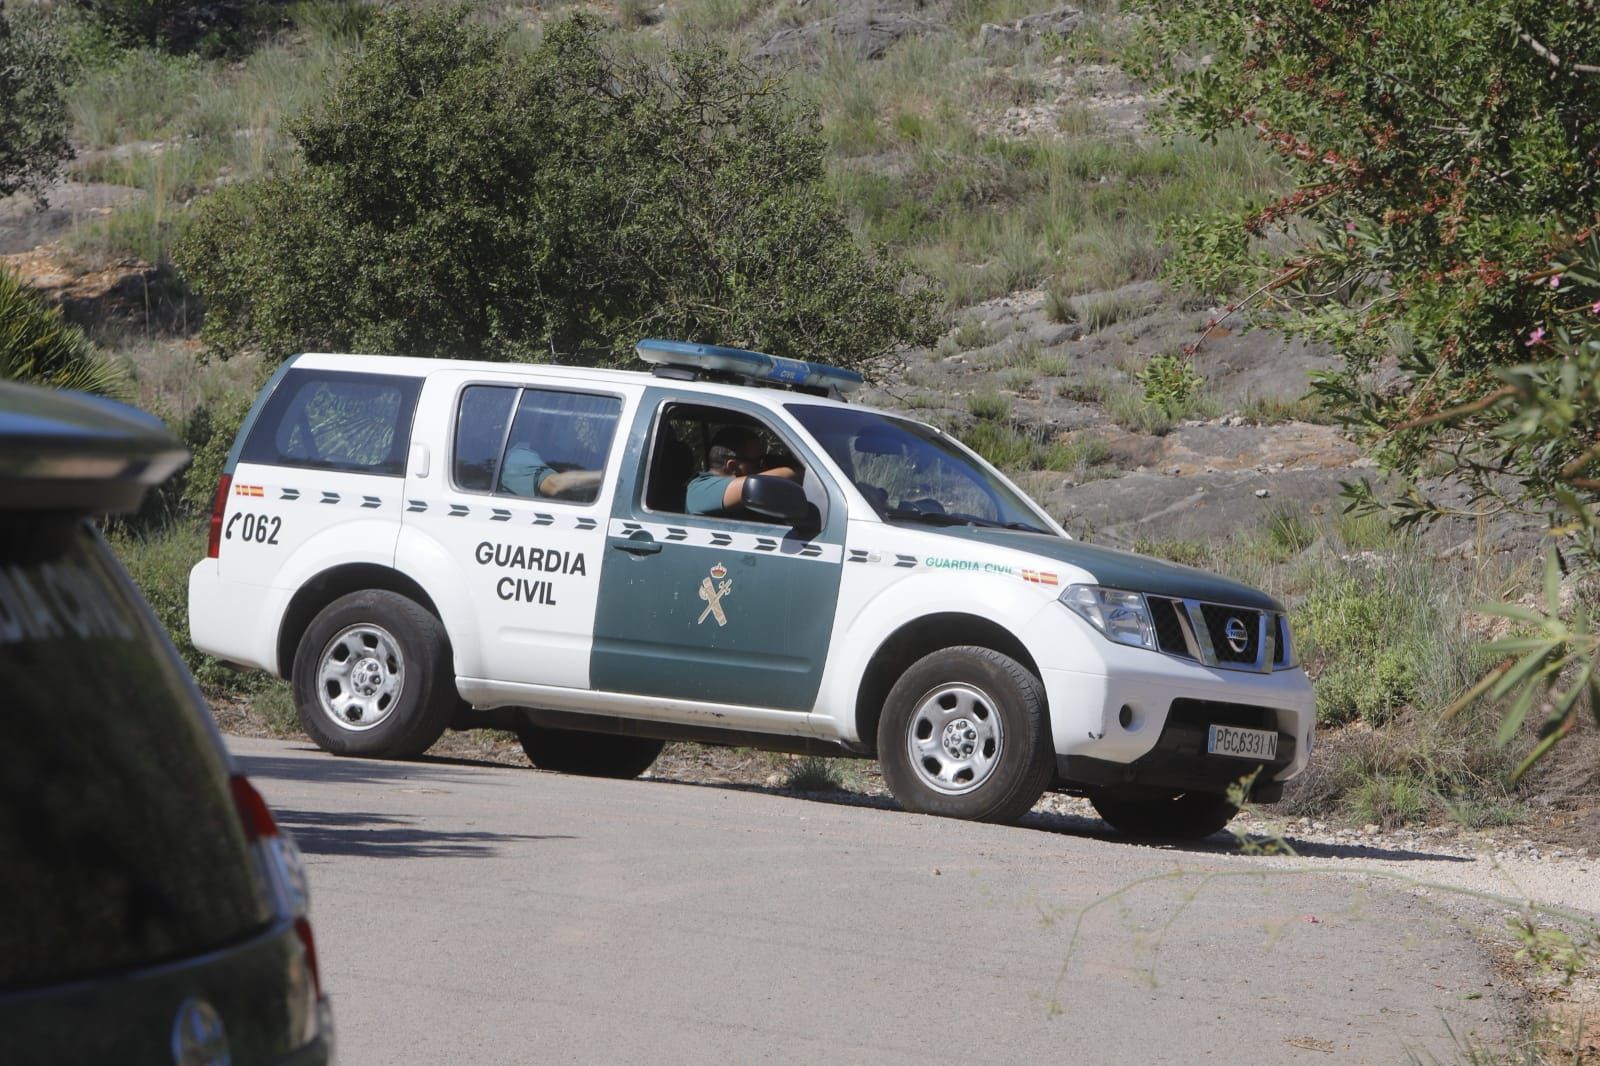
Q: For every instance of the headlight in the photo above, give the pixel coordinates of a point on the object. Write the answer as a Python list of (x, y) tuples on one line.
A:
[(1121, 616)]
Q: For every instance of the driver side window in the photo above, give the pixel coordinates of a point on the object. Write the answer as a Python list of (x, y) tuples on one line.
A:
[(699, 455)]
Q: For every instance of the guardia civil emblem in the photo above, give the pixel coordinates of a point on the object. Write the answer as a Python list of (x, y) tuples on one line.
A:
[(713, 587)]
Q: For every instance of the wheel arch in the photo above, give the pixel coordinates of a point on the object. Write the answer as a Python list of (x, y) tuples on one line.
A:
[(921, 637), (327, 586)]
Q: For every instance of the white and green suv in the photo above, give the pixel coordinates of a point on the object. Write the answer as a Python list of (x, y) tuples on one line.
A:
[(422, 544)]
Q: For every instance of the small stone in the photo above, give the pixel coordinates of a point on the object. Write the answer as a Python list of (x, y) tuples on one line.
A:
[(1262, 494), (1370, 827)]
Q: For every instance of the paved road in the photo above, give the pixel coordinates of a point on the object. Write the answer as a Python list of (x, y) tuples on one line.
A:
[(485, 914)]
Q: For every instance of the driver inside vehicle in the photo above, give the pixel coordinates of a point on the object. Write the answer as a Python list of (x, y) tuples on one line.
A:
[(735, 454)]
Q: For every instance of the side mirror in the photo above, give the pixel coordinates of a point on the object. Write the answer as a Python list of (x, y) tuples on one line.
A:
[(776, 497)]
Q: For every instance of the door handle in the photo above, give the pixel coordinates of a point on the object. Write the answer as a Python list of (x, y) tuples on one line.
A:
[(638, 545)]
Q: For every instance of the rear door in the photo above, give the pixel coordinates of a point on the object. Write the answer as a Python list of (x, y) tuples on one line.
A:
[(713, 609), (516, 505)]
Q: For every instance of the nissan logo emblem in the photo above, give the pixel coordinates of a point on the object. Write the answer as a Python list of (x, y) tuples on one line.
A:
[(198, 1038), (1238, 636)]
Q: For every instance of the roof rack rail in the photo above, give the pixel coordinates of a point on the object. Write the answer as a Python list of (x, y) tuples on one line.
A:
[(685, 361)]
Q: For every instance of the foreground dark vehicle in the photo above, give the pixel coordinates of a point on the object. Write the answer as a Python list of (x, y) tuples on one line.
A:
[(153, 911)]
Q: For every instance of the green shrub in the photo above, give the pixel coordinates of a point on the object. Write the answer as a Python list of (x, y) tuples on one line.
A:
[(1289, 530), (159, 562), (1098, 312), (460, 194), (33, 120), (1187, 552), (215, 27), (989, 406), (973, 333), (1390, 800), (1171, 384), (1377, 639), (38, 347), (812, 773), (1017, 379), (1002, 444)]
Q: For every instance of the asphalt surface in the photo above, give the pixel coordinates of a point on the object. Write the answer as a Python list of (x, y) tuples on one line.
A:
[(485, 914)]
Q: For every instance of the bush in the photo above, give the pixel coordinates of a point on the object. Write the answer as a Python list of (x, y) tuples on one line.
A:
[(812, 773), (38, 346), (33, 116), (989, 406), (214, 27), (1378, 638), (1170, 383), (460, 196), (159, 562)]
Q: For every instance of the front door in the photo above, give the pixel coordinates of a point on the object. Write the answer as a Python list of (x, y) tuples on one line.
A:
[(717, 609)]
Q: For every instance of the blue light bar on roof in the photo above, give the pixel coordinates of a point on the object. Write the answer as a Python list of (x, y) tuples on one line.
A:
[(758, 366)]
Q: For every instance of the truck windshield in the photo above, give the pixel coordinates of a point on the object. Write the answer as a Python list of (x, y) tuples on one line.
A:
[(909, 472)]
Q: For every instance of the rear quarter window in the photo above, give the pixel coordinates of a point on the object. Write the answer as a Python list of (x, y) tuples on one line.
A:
[(332, 420)]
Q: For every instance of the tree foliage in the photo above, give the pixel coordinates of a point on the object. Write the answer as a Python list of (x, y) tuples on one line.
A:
[(33, 116), (214, 27), (459, 197), (1446, 162), (38, 347)]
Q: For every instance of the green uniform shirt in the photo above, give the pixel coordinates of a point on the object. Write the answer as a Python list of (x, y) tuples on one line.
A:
[(524, 471), (705, 492)]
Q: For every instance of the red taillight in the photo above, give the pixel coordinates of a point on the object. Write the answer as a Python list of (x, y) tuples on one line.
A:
[(219, 503), (260, 828), (302, 929), (253, 810)]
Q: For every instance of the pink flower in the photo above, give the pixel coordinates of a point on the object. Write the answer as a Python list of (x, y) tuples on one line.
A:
[(1349, 227), (1555, 281), (1595, 310), (1535, 337)]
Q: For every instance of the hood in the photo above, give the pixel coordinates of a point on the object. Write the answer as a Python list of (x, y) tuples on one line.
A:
[(1123, 570)]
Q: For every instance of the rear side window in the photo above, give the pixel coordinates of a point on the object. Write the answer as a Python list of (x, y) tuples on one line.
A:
[(329, 420), (555, 447), (119, 841)]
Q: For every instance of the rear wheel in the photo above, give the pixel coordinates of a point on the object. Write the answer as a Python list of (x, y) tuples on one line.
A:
[(965, 734), (1156, 813), (590, 754), (373, 676)]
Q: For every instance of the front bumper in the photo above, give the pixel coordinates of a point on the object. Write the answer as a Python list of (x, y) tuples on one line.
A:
[(1179, 761), (1112, 720)]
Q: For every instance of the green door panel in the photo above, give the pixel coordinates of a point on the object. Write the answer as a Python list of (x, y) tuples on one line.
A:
[(713, 609)]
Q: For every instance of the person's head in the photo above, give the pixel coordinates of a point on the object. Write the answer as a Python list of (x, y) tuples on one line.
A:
[(735, 452)]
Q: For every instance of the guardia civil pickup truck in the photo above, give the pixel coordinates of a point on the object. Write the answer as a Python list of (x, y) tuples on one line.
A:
[(723, 550)]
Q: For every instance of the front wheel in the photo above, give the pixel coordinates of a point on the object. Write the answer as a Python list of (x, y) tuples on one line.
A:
[(373, 676), (965, 734), (1169, 815), (590, 754)]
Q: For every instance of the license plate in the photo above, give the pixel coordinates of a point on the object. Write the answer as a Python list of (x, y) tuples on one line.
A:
[(1242, 743)]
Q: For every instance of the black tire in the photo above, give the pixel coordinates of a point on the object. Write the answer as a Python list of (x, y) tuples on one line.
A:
[(590, 754), (965, 734), (1163, 815), (379, 641)]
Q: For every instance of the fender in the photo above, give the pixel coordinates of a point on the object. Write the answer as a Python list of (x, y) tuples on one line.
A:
[(1000, 598), (369, 541)]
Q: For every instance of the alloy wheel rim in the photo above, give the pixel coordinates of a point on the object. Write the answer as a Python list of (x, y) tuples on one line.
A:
[(360, 677), (955, 739)]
